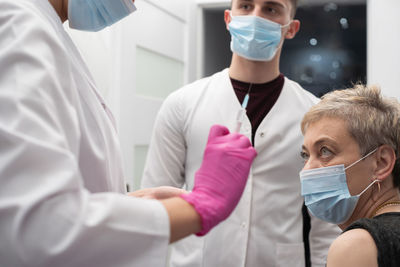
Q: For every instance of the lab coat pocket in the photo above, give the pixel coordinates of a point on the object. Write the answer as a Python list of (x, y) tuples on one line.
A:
[(289, 255)]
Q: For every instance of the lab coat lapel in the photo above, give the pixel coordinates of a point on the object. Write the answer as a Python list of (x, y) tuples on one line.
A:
[(231, 105)]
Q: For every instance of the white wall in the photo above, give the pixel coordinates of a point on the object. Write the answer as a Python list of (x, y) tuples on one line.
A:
[(124, 62), (384, 45), (159, 27), (195, 48)]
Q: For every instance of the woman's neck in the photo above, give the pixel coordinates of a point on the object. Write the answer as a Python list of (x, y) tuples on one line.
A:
[(374, 203)]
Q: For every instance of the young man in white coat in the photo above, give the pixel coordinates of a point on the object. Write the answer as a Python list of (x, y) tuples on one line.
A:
[(266, 228), (62, 200)]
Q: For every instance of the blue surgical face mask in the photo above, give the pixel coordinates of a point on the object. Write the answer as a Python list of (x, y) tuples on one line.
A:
[(255, 38), (326, 193), (94, 15)]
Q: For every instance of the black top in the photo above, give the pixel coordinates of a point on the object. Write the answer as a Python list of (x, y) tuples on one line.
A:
[(262, 98), (385, 230)]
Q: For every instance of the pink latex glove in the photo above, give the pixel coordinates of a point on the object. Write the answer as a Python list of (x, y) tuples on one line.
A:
[(220, 181)]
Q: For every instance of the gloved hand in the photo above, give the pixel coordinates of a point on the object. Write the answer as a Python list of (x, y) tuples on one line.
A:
[(220, 181)]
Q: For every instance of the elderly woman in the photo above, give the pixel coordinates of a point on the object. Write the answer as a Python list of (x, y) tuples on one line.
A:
[(351, 174)]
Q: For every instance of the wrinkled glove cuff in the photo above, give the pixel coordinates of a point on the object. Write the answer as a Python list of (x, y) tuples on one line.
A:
[(206, 215)]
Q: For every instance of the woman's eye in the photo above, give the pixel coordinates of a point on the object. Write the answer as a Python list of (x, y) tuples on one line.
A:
[(304, 156), (325, 152)]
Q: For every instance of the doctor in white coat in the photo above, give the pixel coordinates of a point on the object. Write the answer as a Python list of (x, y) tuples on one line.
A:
[(62, 200), (266, 228)]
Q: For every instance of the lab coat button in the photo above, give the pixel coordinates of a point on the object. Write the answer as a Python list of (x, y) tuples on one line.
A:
[(243, 225), (262, 134)]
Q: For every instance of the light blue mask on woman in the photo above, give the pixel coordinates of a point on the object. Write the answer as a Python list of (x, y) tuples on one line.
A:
[(94, 15), (326, 193), (255, 38)]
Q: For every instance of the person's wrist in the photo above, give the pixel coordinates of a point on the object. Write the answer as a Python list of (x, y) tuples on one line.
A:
[(184, 219), (199, 202)]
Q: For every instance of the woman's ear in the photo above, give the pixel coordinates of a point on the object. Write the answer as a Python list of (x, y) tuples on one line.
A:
[(385, 160)]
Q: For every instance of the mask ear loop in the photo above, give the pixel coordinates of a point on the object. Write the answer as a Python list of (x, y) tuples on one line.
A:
[(376, 180), (284, 26), (357, 161)]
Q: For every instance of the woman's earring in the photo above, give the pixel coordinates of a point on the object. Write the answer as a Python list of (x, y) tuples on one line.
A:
[(379, 186)]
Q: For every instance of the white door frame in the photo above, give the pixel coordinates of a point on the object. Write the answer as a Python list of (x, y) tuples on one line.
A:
[(195, 41)]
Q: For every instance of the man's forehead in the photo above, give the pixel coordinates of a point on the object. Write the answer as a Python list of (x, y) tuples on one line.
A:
[(265, 2)]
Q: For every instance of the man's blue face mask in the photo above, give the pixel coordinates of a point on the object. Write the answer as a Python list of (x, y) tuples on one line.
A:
[(94, 15), (255, 38), (326, 193)]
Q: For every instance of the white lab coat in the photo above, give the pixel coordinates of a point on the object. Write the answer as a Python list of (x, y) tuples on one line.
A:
[(266, 228), (60, 169)]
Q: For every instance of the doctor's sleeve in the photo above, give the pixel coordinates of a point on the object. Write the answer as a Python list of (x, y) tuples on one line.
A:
[(321, 236), (47, 217), (165, 163)]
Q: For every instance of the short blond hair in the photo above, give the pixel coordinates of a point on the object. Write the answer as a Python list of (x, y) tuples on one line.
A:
[(372, 119)]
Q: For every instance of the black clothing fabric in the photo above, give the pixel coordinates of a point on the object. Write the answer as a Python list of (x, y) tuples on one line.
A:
[(262, 98), (385, 230)]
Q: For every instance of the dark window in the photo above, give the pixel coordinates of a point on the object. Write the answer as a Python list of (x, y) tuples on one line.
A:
[(330, 50)]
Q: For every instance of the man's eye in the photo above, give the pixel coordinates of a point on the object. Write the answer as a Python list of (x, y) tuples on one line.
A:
[(246, 7), (271, 11)]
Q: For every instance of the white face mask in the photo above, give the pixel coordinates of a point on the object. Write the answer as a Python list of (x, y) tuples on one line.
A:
[(255, 38), (326, 193)]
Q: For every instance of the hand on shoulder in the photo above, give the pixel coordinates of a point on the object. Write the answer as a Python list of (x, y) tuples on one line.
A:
[(353, 248)]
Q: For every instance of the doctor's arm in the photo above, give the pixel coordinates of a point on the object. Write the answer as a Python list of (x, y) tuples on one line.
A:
[(218, 185), (47, 217), (183, 218)]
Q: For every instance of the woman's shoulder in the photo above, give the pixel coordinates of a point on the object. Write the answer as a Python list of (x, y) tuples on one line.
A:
[(355, 247)]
